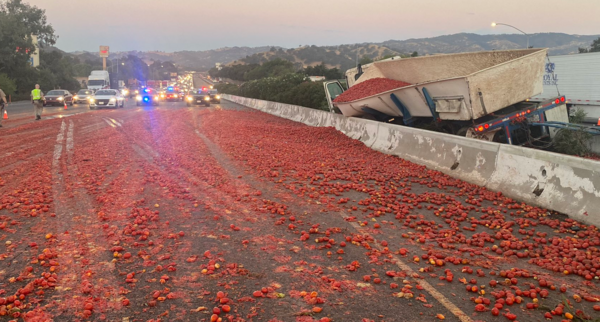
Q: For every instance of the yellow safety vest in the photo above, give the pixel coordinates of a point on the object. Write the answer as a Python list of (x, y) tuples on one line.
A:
[(36, 94)]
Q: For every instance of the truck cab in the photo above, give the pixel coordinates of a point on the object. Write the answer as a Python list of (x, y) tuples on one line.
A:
[(98, 79)]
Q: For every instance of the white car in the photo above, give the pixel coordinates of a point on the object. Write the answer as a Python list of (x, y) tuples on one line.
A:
[(107, 98)]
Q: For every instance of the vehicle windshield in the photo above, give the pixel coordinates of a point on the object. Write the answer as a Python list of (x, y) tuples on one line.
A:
[(84, 92), (96, 82), (56, 93), (99, 93)]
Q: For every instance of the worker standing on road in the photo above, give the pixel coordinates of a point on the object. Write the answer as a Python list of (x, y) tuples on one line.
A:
[(2, 104), (37, 98)]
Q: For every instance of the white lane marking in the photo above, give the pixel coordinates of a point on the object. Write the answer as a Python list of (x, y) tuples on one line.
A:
[(62, 116), (70, 136), (410, 272), (58, 146)]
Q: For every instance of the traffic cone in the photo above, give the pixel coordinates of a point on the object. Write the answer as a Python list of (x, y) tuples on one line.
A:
[(596, 124), (65, 105), (5, 115)]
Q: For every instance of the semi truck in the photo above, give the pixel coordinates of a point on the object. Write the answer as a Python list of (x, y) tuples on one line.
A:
[(577, 77), (98, 79), (483, 95)]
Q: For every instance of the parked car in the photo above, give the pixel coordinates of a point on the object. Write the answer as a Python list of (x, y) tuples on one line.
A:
[(58, 97), (197, 96), (83, 96), (107, 98)]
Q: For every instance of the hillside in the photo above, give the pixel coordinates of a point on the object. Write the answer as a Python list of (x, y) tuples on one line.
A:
[(190, 60), (344, 56), (558, 43)]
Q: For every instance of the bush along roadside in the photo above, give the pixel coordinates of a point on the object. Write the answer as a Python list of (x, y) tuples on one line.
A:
[(293, 88), (573, 142)]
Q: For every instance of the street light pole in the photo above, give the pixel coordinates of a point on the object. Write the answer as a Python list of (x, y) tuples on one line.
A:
[(494, 24)]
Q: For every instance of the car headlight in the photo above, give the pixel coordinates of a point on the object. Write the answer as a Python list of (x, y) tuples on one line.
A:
[(92, 100), (124, 92), (175, 96), (218, 97), (207, 98), (75, 97), (162, 95), (137, 92), (155, 97), (61, 98), (190, 98), (112, 100), (138, 98)]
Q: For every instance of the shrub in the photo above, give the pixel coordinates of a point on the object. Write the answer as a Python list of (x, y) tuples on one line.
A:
[(8, 85), (573, 142)]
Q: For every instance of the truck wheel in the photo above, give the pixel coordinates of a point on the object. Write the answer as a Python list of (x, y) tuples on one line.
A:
[(462, 131)]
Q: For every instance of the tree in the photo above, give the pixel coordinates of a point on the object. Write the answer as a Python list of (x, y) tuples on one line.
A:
[(414, 54), (593, 49), (7, 85), (365, 60), (18, 22)]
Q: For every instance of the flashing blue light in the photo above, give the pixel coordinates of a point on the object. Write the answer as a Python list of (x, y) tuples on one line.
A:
[(145, 90), (170, 88), (146, 99)]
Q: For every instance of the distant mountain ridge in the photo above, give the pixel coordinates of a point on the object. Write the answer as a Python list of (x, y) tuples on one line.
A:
[(558, 43), (345, 56)]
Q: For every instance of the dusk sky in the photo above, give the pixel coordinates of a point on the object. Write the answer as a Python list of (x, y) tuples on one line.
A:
[(199, 25)]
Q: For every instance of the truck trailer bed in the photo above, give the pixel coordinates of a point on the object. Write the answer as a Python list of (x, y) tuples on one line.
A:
[(460, 87)]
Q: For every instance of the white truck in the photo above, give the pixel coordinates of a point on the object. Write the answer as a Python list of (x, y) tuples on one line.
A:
[(577, 77), (98, 79)]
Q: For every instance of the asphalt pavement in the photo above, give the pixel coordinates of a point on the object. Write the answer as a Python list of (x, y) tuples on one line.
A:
[(177, 213)]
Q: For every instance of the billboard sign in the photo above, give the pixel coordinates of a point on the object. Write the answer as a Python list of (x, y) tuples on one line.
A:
[(104, 50)]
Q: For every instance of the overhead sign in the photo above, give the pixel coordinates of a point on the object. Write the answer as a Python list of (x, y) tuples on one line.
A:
[(104, 50)]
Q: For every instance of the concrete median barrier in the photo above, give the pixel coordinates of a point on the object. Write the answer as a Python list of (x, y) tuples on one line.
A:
[(467, 159), (566, 184)]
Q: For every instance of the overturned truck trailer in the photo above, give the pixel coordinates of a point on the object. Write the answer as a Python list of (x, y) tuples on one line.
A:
[(482, 94)]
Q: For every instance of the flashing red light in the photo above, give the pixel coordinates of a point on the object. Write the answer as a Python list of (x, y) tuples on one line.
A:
[(528, 111), (486, 126), (480, 128), (557, 101), (562, 99)]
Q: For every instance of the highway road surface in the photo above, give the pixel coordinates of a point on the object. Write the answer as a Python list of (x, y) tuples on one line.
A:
[(176, 213)]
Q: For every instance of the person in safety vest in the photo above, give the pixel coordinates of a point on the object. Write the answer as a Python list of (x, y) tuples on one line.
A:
[(2, 103), (37, 98)]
